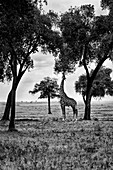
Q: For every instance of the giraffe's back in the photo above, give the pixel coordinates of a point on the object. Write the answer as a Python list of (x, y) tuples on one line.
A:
[(68, 102)]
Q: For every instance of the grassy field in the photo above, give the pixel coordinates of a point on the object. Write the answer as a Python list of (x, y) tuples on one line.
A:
[(44, 142)]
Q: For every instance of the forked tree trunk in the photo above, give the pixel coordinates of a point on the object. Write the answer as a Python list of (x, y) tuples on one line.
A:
[(8, 103), (90, 80), (49, 105)]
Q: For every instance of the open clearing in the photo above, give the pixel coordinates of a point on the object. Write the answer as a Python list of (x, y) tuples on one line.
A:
[(44, 142)]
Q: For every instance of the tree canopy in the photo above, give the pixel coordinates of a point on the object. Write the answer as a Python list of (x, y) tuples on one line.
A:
[(45, 87)]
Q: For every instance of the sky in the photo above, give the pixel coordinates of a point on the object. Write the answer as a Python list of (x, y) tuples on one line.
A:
[(44, 64)]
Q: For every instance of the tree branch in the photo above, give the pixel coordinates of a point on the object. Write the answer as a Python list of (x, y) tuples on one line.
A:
[(84, 98), (13, 59), (105, 57), (84, 61)]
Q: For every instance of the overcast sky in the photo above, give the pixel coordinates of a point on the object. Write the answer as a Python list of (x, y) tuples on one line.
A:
[(43, 64)]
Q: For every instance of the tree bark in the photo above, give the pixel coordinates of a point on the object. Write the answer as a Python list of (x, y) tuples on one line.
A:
[(87, 115), (14, 87), (12, 119), (49, 105)]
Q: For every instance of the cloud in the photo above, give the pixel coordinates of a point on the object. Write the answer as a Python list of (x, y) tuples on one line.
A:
[(43, 60), (64, 5), (43, 66)]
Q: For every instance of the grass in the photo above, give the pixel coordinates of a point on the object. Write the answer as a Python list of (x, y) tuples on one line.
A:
[(50, 144)]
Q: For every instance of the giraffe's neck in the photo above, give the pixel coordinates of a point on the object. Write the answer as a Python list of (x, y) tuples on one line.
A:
[(62, 88)]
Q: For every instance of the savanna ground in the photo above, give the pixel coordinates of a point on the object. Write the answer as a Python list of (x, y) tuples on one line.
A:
[(44, 142)]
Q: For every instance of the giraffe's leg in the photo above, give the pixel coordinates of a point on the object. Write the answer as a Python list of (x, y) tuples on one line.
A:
[(63, 112), (75, 112)]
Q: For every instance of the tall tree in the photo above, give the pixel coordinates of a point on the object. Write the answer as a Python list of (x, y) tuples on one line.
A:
[(102, 85), (23, 30), (89, 38), (48, 88)]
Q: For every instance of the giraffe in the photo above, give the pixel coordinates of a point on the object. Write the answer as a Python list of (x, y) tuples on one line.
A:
[(67, 101)]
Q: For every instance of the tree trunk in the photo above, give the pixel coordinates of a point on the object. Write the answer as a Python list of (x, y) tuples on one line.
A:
[(13, 91), (7, 108), (13, 98), (8, 103), (87, 115), (49, 106)]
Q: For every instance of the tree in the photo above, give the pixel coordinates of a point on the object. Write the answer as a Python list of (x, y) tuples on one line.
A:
[(89, 38), (48, 88), (103, 84), (23, 30)]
